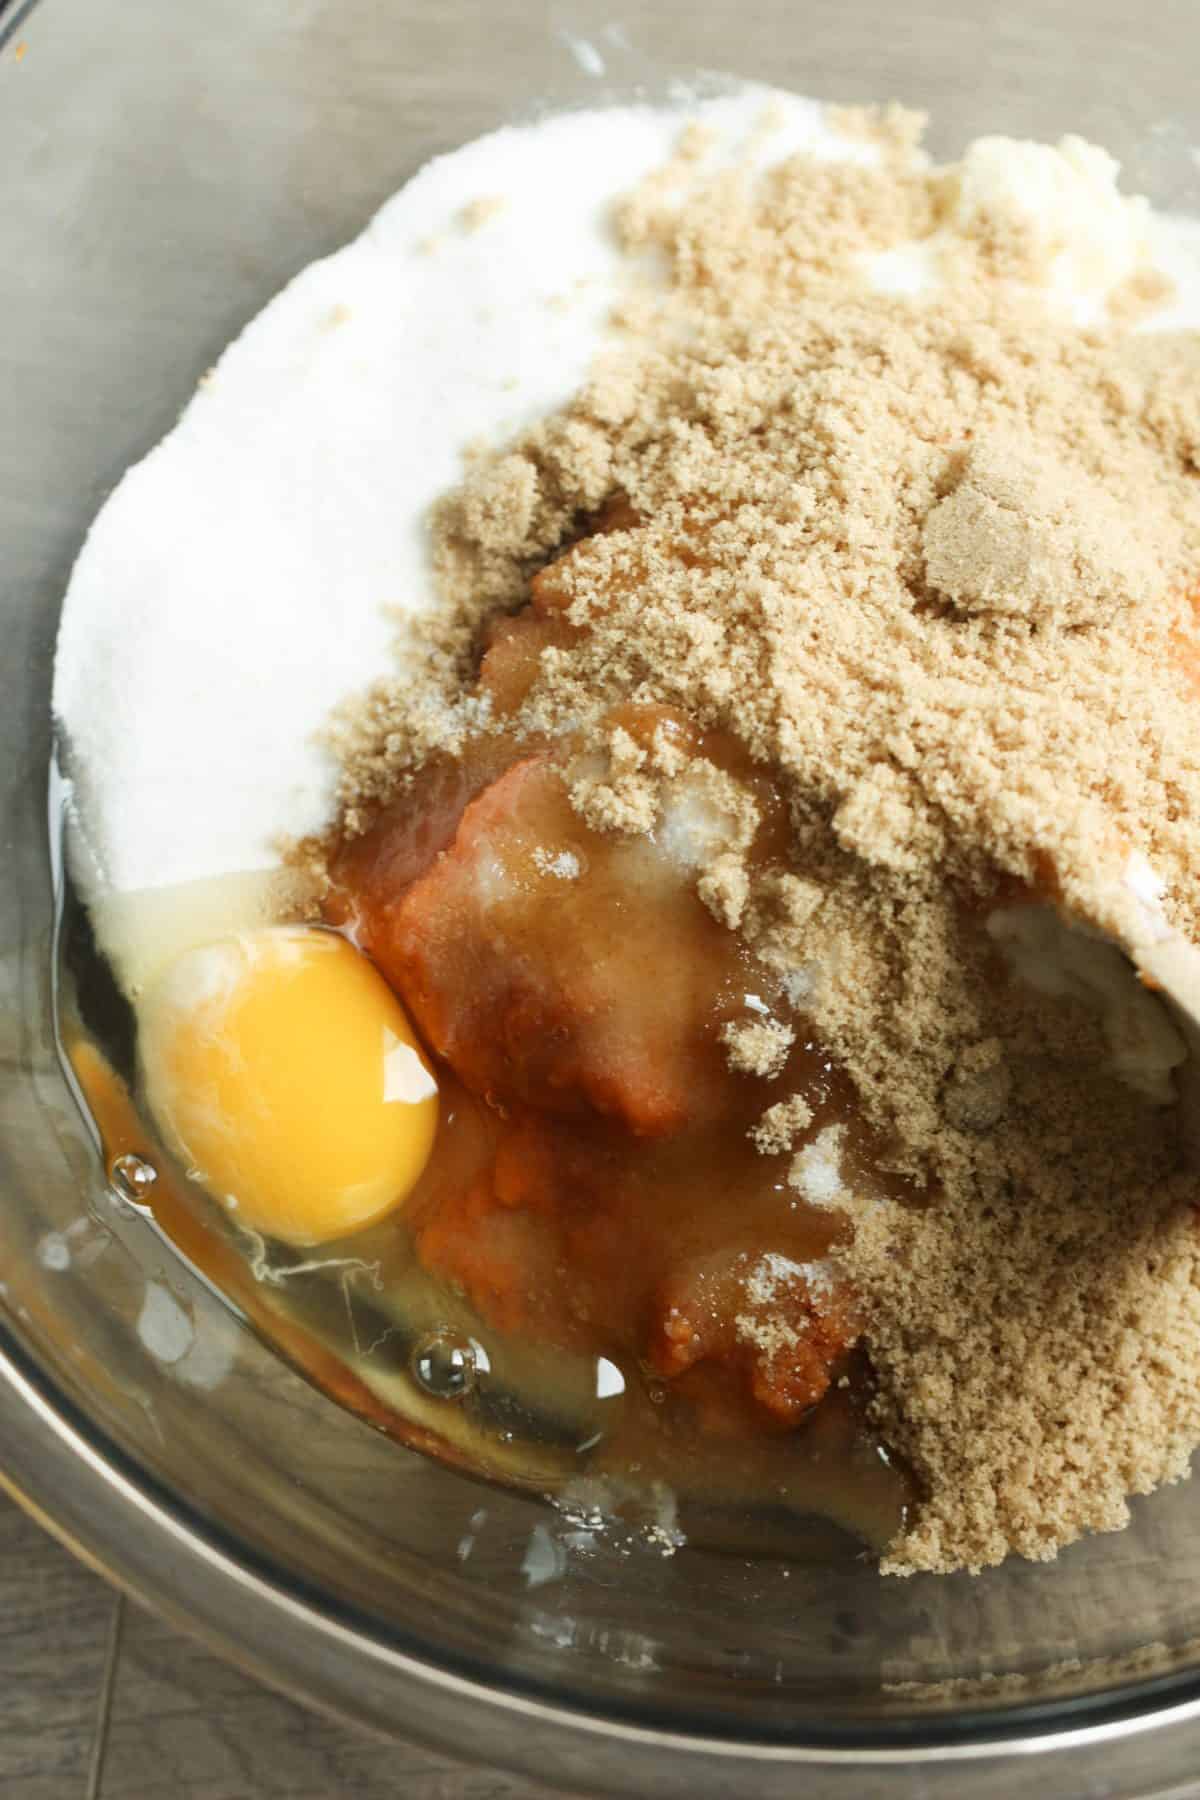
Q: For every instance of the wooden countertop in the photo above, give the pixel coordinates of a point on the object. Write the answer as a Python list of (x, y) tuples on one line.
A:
[(101, 1701)]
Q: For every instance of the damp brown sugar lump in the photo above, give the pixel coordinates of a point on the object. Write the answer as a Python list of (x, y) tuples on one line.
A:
[(807, 719)]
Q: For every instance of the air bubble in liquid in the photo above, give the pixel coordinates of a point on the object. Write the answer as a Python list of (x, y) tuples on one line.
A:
[(132, 1179), (445, 1365)]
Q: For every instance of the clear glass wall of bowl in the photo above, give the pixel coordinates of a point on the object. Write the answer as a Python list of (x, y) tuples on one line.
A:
[(166, 170)]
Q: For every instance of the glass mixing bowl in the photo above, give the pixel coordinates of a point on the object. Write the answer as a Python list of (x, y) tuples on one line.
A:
[(166, 170)]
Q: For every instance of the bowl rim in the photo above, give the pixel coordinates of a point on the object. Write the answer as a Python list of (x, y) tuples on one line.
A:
[(253, 1612), (1137, 1737)]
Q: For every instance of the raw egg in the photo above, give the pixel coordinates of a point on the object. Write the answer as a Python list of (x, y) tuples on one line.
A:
[(284, 1071)]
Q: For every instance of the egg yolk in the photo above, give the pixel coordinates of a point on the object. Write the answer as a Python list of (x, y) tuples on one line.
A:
[(286, 1073)]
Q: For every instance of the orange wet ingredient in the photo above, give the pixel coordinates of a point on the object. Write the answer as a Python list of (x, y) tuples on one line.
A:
[(595, 1185), (553, 966)]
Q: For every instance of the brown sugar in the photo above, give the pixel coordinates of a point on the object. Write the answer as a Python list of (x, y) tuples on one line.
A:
[(759, 1048), (1020, 535), (928, 561), (782, 1124)]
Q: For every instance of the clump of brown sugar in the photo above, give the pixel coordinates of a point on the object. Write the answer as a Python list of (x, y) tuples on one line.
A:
[(782, 1124), (758, 1047), (1020, 535), (929, 562)]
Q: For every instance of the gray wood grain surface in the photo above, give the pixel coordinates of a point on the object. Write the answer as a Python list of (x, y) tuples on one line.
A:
[(55, 1626), (101, 1701)]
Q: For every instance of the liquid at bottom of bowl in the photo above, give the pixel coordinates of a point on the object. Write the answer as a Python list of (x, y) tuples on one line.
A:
[(379, 1333)]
